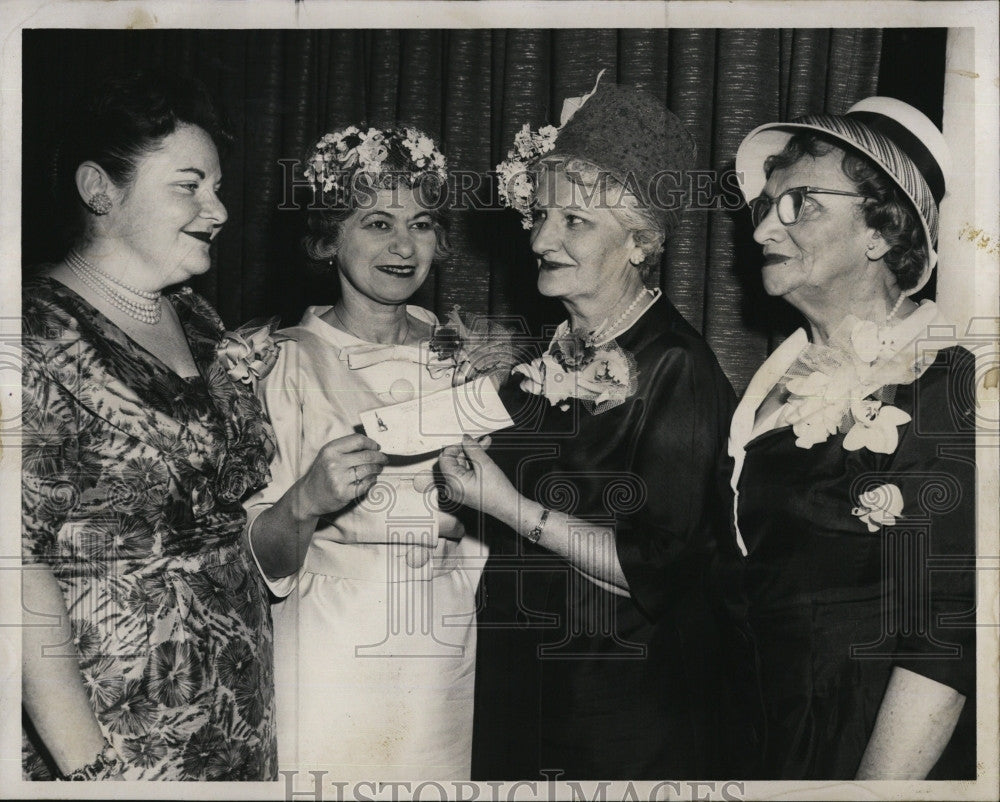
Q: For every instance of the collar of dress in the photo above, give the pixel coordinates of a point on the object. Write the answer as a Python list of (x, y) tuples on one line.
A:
[(360, 352), (767, 376)]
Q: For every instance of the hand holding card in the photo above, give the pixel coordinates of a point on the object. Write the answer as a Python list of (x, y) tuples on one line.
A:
[(432, 422)]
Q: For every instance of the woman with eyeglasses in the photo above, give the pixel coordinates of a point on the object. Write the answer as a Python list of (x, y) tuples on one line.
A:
[(853, 454)]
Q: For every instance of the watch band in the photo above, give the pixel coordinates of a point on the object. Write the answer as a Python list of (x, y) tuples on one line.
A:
[(107, 764), (536, 533)]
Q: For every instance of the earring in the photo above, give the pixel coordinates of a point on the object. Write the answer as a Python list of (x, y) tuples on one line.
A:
[(99, 203)]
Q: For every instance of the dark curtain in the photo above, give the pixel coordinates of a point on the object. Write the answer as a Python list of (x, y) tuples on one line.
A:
[(470, 89)]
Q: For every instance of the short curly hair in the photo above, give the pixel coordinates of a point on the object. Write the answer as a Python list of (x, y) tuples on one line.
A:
[(886, 207)]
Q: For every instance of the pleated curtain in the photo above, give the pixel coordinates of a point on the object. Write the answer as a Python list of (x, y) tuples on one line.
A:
[(471, 90)]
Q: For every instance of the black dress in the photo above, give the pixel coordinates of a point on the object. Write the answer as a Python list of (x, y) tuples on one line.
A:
[(834, 607), (574, 680)]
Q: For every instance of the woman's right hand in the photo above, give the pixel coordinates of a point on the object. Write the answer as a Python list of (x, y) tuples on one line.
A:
[(472, 478), (342, 472)]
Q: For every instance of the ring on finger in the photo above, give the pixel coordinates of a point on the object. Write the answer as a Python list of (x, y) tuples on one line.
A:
[(354, 468)]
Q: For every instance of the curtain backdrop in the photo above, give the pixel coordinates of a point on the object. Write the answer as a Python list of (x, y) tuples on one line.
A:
[(470, 89)]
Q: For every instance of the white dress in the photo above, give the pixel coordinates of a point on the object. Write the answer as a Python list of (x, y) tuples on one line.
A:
[(375, 638)]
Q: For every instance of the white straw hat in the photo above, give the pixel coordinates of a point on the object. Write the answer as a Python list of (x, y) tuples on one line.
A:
[(896, 136)]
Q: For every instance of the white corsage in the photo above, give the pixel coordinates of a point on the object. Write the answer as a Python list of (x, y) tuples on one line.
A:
[(875, 426), (603, 376), (844, 386), (471, 345), (249, 353), (879, 506)]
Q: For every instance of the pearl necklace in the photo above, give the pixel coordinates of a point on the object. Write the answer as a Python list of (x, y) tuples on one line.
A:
[(884, 331), (896, 307), (146, 306), (605, 330)]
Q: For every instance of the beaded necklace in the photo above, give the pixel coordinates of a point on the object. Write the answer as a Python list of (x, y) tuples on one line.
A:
[(607, 331), (141, 305)]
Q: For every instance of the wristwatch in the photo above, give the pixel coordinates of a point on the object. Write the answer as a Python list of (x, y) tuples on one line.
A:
[(536, 533)]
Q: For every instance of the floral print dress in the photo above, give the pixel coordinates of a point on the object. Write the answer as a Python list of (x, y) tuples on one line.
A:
[(131, 484)]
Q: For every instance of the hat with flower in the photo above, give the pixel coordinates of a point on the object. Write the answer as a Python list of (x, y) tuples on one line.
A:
[(373, 155), (622, 130)]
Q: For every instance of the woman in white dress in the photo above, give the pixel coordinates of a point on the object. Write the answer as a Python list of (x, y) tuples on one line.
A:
[(375, 635)]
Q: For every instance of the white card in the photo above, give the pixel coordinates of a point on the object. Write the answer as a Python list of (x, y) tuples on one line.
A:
[(433, 421)]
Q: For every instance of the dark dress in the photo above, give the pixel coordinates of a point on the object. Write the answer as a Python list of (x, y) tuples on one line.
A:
[(834, 607), (131, 485), (574, 679)]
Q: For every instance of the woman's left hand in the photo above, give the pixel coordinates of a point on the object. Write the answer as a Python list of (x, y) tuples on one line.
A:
[(472, 478)]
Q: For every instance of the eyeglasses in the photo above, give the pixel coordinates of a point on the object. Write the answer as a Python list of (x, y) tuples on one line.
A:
[(790, 203)]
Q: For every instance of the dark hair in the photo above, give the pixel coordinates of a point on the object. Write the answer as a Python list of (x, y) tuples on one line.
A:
[(886, 208), (326, 224), (122, 122)]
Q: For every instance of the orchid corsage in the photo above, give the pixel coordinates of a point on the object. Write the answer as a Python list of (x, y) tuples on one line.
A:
[(472, 346), (250, 352), (845, 386), (601, 376)]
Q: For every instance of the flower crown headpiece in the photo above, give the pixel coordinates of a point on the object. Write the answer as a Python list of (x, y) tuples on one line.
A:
[(517, 183), (341, 156)]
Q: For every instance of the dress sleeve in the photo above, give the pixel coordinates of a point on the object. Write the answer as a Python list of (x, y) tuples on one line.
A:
[(664, 545), (934, 467), (282, 404), (50, 486)]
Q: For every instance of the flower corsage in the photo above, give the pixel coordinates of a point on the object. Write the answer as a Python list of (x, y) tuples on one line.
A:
[(879, 506), (472, 346), (847, 386), (601, 376), (249, 353)]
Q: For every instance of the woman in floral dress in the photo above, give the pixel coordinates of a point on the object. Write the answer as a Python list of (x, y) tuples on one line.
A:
[(854, 458), (137, 448)]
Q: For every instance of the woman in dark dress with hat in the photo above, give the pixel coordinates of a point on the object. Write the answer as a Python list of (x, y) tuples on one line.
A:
[(597, 654), (854, 458)]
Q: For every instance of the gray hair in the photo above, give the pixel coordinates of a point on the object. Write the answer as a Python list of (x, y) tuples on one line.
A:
[(646, 228)]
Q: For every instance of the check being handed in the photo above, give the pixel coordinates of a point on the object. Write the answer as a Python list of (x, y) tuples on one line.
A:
[(433, 421)]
